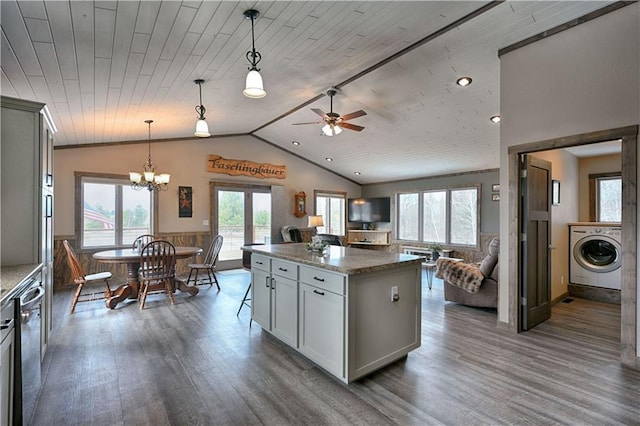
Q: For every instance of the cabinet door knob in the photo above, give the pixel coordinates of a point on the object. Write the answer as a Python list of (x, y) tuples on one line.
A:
[(321, 293), (283, 269), (266, 281), (319, 279)]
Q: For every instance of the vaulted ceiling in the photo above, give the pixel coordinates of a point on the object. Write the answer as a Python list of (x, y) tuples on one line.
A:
[(104, 67)]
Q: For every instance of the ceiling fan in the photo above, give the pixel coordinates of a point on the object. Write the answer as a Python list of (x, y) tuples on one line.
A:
[(334, 122)]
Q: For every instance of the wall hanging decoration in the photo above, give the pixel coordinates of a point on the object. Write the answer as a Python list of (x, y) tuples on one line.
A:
[(555, 192), (217, 164), (300, 204), (185, 201)]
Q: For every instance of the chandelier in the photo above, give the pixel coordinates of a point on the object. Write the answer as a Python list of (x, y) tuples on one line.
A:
[(253, 87), (148, 178)]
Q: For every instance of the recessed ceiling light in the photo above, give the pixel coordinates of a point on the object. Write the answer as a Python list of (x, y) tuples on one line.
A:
[(329, 159), (296, 143), (357, 173), (464, 81), (495, 119)]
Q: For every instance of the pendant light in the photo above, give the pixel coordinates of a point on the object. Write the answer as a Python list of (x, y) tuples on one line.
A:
[(148, 178), (202, 129), (253, 88)]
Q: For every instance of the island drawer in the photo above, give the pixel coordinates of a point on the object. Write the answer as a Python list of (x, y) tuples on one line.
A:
[(284, 269), (260, 262), (321, 278)]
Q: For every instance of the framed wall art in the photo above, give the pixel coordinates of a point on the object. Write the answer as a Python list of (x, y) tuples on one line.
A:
[(185, 201), (555, 192), (300, 204)]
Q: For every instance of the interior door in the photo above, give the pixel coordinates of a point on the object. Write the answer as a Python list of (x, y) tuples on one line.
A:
[(535, 239)]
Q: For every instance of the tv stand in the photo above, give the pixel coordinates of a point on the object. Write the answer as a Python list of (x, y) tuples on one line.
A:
[(369, 237)]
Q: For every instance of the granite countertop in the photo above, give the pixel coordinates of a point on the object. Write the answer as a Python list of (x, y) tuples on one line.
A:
[(346, 260), (11, 278)]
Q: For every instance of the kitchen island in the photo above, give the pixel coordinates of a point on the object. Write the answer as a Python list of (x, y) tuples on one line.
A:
[(349, 310)]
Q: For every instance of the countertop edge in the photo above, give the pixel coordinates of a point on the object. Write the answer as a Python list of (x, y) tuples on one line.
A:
[(341, 270), (22, 283)]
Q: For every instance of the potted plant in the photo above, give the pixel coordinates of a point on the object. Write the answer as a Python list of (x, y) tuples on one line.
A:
[(435, 251)]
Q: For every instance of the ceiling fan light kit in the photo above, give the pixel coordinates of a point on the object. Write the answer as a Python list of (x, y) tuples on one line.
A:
[(333, 122), (254, 87), (202, 128)]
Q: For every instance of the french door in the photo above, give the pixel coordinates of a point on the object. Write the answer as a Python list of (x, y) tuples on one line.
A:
[(242, 215)]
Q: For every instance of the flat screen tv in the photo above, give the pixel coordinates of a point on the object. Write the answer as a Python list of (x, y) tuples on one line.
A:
[(369, 210)]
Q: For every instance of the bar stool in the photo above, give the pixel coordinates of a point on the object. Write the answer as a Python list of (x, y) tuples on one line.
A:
[(246, 264)]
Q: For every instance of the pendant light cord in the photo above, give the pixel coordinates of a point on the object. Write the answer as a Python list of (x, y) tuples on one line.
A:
[(252, 56)]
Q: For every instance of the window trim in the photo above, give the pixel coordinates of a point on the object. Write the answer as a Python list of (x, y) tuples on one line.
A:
[(447, 190), (321, 192), (594, 195), (79, 203)]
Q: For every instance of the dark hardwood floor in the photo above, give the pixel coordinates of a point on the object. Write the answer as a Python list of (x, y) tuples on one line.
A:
[(196, 363)]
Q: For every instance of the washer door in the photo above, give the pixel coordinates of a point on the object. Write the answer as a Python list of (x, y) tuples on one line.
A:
[(598, 254)]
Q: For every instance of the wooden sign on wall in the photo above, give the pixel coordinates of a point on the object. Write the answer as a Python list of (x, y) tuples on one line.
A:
[(217, 164)]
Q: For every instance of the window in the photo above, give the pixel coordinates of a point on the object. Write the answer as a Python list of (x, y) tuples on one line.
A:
[(332, 207), (446, 216), (609, 199), (110, 212)]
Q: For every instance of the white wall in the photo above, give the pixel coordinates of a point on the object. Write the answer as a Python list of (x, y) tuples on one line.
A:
[(564, 167), (580, 80), (186, 161)]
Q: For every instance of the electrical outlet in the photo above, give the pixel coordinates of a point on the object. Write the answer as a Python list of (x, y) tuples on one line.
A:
[(394, 294), (205, 222), (562, 279)]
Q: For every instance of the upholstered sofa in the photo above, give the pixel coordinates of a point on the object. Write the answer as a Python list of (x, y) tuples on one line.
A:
[(471, 284)]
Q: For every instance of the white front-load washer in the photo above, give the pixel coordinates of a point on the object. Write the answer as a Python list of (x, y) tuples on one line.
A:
[(596, 255)]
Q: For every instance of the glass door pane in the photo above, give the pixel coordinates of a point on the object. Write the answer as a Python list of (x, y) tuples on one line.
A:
[(261, 218), (231, 220)]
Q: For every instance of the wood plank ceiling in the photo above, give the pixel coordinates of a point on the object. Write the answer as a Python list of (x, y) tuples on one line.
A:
[(103, 67)]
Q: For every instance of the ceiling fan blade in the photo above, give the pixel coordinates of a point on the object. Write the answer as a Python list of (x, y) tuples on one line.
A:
[(351, 126), (309, 122), (318, 111), (353, 115)]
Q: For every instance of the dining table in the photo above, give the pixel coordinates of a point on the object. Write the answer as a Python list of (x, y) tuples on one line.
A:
[(131, 258)]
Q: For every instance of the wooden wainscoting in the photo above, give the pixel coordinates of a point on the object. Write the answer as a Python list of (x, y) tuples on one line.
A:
[(62, 274)]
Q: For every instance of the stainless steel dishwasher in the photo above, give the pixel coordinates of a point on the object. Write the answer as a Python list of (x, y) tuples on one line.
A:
[(29, 380)]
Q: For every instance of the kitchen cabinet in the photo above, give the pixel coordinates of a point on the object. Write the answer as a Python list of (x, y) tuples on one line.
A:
[(7, 363), (322, 327), (261, 291), (275, 297), (284, 301), (357, 310), (27, 192)]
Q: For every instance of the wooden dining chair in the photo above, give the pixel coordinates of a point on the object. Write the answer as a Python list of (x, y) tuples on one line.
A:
[(142, 241), (80, 279), (208, 265), (157, 270)]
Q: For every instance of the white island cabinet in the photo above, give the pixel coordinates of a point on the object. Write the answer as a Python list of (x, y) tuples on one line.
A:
[(338, 309)]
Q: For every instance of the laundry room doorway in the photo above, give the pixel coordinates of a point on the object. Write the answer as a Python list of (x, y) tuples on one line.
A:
[(561, 217)]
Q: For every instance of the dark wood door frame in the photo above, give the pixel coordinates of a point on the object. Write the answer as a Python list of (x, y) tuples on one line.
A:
[(629, 137)]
